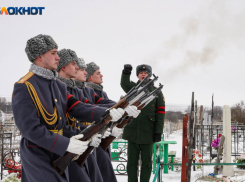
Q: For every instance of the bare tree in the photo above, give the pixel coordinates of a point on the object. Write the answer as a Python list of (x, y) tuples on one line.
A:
[(188, 109), (238, 112), (207, 110), (172, 116), (218, 112)]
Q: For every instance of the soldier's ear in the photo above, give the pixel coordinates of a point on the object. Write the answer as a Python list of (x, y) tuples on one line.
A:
[(39, 58), (63, 68)]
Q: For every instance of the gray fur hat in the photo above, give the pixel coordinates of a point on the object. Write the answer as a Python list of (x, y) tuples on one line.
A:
[(66, 56), (38, 45), (81, 63), (91, 68)]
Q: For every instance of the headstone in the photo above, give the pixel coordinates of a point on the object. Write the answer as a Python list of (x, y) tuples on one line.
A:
[(198, 116), (201, 114), (199, 140), (227, 170), (205, 116), (209, 120)]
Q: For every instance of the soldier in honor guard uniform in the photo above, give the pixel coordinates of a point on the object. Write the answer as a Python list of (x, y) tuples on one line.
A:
[(94, 81), (67, 69), (40, 102), (144, 130)]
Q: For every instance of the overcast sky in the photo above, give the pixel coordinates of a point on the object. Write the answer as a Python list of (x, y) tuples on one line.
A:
[(192, 45)]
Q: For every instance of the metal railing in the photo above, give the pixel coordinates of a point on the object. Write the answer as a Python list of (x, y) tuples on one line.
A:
[(158, 174), (119, 156), (205, 134), (9, 148)]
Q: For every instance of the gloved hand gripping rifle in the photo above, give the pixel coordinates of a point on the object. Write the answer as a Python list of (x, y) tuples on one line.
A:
[(132, 96), (140, 103)]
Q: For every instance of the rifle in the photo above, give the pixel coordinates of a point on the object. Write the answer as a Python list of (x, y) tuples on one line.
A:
[(62, 162), (82, 158), (141, 103), (136, 89)]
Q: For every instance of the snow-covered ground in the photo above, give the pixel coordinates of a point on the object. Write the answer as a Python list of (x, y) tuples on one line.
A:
[(174, 176)]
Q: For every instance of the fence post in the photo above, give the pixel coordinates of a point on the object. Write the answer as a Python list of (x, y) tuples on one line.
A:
[(184, 170), (159, 172), (227, 170)]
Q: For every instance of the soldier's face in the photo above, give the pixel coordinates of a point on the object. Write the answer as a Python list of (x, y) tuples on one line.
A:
[(142, 75), (96, 77), (71, 69), (50, 59), (81, 75)]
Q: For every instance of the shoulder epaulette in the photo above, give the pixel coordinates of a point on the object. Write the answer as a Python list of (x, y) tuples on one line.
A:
[(26, 77)]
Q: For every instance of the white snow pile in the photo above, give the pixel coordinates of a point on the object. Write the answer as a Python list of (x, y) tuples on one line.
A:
[(11, 178)]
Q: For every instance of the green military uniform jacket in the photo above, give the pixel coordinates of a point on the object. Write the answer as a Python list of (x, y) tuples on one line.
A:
[(141, 130)]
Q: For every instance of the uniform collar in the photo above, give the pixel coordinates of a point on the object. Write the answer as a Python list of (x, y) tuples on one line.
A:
[(94, 86), (43, 72), (69, 83), (79, 84)]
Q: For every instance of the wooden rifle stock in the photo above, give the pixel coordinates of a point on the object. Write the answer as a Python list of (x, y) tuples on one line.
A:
[(105, 142), (82, 158), (60, 165), (124, 122), (122, 104), (62, 162)]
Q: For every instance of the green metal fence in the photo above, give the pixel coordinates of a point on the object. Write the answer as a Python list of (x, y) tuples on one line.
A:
[(119, 156), (120, 152), (158, 174)]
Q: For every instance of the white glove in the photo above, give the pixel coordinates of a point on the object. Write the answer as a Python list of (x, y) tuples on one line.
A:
[(116, 131), (116, 114), (107, 133), (77, 146), (96, 141), (132, 111)]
